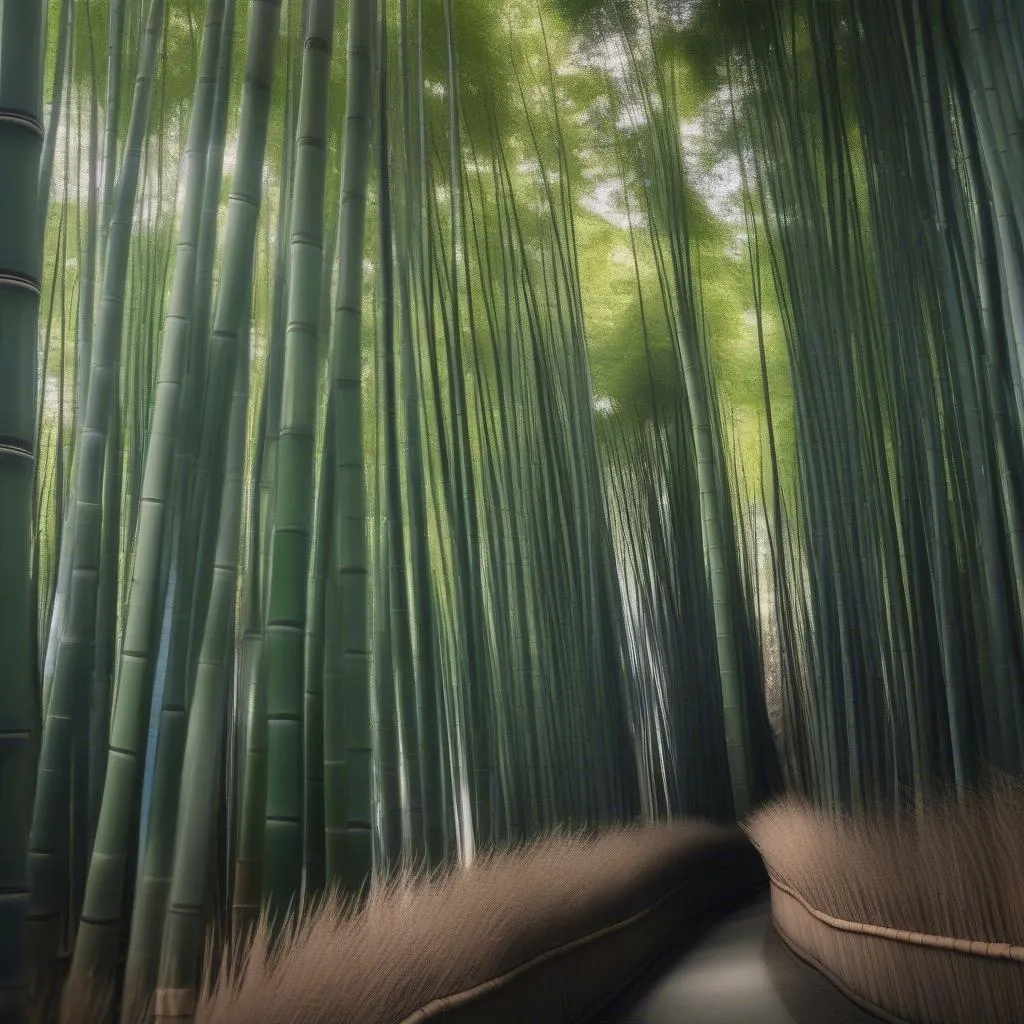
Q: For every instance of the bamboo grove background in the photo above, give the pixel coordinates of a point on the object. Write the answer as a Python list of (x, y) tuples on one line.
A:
[(427, 422)]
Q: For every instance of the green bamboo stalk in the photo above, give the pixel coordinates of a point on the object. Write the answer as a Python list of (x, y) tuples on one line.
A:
[(99, 697), (400, 677), (234, 299), (248, 764), (62, 72), (112, 113), (286, 601), (138, 650), (74, 658), (184, 923), (21, 139), (313, 669), (466, 528), (347, 744), (426, 681)]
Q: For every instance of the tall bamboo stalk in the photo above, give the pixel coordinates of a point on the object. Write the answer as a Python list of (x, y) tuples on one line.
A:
[(21, 139), (293, 508), (72, 671), (347, 745), (152, 531)]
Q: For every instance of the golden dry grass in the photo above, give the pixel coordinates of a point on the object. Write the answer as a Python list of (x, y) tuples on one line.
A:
[(953, 871), (417, 940), (420, 939)]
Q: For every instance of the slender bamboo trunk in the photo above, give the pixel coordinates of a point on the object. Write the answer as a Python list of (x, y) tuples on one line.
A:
[(152, 530), (293, 506), (21, 139), (183, 924), (65, 34), (347, 745), (76, 649)]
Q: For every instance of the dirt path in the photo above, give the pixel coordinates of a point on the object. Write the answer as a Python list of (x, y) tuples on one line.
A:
[(738, 971)]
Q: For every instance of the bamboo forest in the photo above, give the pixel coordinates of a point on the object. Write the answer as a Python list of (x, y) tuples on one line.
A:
[(430, 426)]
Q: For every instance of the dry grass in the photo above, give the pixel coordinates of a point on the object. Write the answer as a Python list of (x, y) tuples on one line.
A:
[(416, 941), (583, 912), (954, 871)]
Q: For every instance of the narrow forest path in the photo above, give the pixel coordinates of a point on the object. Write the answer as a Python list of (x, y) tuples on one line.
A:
[(737, 971)]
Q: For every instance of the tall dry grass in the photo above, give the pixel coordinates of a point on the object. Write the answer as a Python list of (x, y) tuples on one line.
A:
[(423, 947), (957, 869), (417, 941), (920, 915)]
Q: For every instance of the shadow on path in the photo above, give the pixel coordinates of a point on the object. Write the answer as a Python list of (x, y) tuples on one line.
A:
[(737, 971)]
